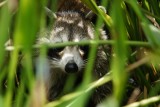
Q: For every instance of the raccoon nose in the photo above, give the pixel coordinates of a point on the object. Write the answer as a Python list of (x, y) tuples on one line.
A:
[(71, 67)]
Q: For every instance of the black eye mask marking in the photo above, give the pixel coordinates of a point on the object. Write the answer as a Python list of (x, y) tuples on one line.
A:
[(85, 49), (54, 52)]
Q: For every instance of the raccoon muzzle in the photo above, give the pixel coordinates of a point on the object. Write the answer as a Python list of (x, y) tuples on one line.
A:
[(71, 67)]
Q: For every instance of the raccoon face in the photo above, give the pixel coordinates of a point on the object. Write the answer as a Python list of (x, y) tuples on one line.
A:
[(69, 27), (69, 59)]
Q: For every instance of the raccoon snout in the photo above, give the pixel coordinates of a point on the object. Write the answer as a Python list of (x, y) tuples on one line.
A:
[(71, 67)]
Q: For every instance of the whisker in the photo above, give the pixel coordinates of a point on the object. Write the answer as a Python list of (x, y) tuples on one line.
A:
[(55, 59), (55, 67)]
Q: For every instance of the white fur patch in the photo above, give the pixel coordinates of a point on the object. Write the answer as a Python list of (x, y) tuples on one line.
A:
[(64, 37), (103, 35), (66, 20), (59, 29), (76, 39), (69, 21), (65, 58), (90, 32), (80, 24)]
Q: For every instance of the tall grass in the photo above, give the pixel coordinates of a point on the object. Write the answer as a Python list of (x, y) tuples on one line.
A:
[(134, 32)]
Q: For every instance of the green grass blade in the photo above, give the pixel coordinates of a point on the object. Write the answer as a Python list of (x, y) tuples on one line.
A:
[(119, 34)]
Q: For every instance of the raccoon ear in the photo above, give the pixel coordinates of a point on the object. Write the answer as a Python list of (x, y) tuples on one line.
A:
[(91, 14), (49, 13)]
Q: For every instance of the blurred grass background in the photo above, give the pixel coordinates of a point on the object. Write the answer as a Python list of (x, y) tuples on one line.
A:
[(133, 27)]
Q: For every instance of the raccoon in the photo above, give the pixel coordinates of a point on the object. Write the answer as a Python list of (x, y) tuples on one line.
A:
[(73, 26)]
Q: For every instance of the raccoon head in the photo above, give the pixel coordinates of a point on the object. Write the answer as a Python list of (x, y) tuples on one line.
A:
[(69, 27)]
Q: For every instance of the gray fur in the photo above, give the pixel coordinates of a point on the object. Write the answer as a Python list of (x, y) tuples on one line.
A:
[(72, 26)]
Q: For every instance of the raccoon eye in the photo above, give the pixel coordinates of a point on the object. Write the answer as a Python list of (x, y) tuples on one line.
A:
[(59, 49), (84, 48), (54, 52)]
